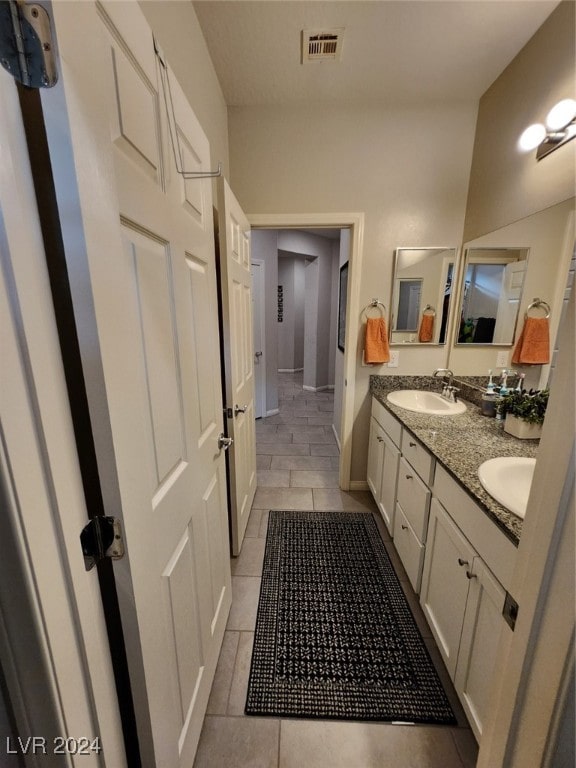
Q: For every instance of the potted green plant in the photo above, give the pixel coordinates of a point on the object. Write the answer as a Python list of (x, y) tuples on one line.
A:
[(524, 412)]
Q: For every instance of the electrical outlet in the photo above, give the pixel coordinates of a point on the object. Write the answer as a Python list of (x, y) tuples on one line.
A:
[(394, 358), (502, 360)]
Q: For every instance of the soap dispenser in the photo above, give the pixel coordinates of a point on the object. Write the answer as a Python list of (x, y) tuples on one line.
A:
[(488, 401)]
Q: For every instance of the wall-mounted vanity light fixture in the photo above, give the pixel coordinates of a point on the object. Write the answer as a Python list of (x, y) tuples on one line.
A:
[(560, 128)]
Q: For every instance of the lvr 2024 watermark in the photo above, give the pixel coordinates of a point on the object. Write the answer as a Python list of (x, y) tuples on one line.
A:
[(59, 745)]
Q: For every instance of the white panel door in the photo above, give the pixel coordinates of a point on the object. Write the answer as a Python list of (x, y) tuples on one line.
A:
[(236, 297), (53, 645), (151, 276)]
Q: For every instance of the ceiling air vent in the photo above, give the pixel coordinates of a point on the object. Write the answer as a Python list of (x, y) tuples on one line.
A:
[(322, 45)]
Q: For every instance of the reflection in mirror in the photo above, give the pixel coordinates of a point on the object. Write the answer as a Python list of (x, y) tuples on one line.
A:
[(491, 295), (422, 288)]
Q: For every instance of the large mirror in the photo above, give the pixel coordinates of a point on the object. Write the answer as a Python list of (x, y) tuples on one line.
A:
[(421, 291), (490, 295)]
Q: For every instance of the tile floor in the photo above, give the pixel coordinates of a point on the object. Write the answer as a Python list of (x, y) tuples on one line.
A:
[(297, 459)]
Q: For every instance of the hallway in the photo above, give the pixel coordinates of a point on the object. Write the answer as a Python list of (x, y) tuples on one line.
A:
[(297, 459)]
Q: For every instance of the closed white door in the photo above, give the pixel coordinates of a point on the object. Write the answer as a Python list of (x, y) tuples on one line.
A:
[(236, 297), (259, 328), (509, 301), (149, 271), (50, 608)]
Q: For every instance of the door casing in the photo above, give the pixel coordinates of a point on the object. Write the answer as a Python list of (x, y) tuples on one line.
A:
[(355, 222)]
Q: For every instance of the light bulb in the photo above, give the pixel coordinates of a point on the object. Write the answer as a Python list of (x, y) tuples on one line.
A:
[(561, 114), (532, 137)]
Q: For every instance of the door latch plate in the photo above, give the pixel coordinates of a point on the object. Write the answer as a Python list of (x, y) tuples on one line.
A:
[(101, 538)]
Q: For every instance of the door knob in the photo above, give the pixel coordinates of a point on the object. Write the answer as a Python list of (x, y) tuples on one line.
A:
[(240, 409), (224, 442)]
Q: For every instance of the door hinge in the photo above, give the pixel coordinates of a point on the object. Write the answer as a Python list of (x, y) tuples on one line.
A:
[(26, 46), (101, 538), (510, 611)]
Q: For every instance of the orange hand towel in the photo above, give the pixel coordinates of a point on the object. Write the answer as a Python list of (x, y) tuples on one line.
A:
[(533, 346), (376, 349), (426, 328)]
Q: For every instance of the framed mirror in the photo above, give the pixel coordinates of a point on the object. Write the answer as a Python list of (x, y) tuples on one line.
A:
[(490, 295), (422, 287)]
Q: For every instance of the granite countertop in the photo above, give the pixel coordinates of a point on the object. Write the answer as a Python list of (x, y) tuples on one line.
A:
[(460, 443)]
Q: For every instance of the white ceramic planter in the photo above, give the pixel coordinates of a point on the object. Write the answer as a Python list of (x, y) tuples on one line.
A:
[(522, 429)]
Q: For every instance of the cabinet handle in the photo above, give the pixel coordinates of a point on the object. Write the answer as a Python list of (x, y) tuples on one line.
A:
[(462, 562), (409, 477), (412, 445), (404, 527), (471, 575)]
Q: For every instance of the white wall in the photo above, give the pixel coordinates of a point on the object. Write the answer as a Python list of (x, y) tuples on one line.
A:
[(299, 289), (507, 185), (286, 329), (405, 167), (291, 275)]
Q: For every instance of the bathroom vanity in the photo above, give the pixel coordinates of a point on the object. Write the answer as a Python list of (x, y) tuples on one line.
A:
[(457, 545)]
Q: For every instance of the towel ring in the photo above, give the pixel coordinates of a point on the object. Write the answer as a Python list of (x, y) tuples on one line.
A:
[(375, 304), (538, 304), (429, 310)]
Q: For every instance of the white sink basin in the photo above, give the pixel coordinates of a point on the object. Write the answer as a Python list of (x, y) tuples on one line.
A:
[(508, 479), (423, 401)]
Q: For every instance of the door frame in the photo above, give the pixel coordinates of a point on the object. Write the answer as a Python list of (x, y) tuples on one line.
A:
[(354, 222), (261, 311)]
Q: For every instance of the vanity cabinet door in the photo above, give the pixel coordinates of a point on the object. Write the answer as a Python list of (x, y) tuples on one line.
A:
[(375, 458), (387, 500), (446, 582), (382, 472), (483, 623)]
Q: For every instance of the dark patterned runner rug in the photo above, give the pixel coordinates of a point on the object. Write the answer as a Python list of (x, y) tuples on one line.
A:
[(335, 637)]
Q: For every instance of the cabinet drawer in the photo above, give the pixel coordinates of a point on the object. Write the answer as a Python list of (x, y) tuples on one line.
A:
[(409, 549), (388, 423), (414, 498), (418, 456)]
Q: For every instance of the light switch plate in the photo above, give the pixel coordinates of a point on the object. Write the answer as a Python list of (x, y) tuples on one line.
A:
[(394, 358), (502, 360)]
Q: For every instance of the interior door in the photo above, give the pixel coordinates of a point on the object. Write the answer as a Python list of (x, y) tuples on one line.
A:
[(54, 657), (148, 268), (236, 299), (512, 282)]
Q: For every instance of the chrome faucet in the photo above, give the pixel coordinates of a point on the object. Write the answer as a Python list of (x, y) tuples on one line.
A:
[(448, 391)]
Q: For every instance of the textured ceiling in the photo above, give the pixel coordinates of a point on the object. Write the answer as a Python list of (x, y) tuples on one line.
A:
[(393, 50)]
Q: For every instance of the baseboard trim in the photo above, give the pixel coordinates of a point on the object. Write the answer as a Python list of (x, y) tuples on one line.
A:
[(318, 389), (359, 485), (290, 370)]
